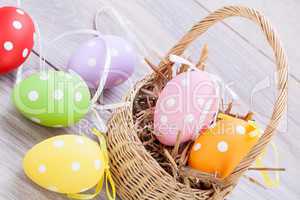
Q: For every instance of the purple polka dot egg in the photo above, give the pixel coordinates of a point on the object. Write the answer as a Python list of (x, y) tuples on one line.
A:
[(89, 59), (187, 105)]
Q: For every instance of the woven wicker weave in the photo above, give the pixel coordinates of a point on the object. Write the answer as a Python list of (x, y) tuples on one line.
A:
[(136, 172)]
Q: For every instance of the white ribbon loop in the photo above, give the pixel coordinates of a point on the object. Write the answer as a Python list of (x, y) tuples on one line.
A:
[(178, 59)]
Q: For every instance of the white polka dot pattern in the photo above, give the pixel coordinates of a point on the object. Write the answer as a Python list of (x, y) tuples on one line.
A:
[(197, 147), (185, 107), (170, 102), (58, 143), (25, 53), (78, 96), (189, 118), (79, 141), (33, 95), (8, 45), (92, 62), (17, 25), (97, 164), (56, 160), (17, 36), (58, 94), (222, 146), (240, 130), (163, 119), (42, 169), (75, 166)]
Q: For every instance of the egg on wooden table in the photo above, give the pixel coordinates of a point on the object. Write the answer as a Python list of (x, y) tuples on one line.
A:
[(16, 38), (220, 149), (52, 98), (88, 60), (187, 104), (66, 164)]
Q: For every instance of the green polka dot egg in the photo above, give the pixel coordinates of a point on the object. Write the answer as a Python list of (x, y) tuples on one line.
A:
[(67, 164), (52, 98)]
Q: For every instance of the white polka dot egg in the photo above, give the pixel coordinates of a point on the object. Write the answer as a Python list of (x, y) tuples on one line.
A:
[(88, 60), (66, 164), (221, 148), (53, 99), (16, 38), (187, 105)]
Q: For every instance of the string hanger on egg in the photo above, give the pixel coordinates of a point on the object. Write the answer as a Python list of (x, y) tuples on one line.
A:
[(124, 23), (57, 98), (87, 60), (199, 67), (67, 153), (16, 36)]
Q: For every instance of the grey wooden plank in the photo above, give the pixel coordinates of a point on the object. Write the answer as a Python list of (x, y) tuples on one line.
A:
[(282, 14), (18, 135), (158, 24)]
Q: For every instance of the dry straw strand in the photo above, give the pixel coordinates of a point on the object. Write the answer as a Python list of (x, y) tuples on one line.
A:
[(136, 171)]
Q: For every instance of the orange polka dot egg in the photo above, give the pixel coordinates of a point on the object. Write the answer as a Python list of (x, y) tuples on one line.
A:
[(67, 164), (187, 104), (219, 150), (16, 38)]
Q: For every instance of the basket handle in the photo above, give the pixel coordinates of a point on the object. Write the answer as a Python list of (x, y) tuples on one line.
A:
[(281, 62)]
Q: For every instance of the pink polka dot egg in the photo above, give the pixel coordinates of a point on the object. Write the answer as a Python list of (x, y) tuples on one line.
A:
[(89, 59), (16, 38), (187, 105)]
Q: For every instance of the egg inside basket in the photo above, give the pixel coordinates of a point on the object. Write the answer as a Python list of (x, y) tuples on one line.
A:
[(174, 159)]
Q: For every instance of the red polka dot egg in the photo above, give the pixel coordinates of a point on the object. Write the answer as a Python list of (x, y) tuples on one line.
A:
[(187, 105), (16, 38)]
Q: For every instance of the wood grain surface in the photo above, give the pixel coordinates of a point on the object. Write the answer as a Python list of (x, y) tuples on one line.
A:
[(238, 53)]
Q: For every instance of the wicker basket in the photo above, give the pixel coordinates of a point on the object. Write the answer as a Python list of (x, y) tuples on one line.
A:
[(136, 172)]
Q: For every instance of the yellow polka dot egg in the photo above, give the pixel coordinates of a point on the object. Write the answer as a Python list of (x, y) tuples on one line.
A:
[(52, 98), (67, 164)]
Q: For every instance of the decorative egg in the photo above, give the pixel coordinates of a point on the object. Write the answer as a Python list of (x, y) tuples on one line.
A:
[(66, 164), (53, 98), (16, 38), (88, 61), (220, 149), (187, 104)]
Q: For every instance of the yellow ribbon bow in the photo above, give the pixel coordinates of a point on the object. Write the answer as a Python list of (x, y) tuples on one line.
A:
[(111, 194)]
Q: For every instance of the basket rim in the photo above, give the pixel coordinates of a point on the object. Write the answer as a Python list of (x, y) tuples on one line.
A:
[(279, 105), (130, 96)]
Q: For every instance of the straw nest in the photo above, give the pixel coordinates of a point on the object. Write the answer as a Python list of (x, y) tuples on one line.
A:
[(145, 169)]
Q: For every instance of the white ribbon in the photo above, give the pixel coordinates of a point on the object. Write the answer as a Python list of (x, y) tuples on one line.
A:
[(103, 78), (19, 3), (125, 24), (217, 79)]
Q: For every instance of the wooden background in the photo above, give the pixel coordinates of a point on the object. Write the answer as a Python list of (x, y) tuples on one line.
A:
[(237, 52)]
